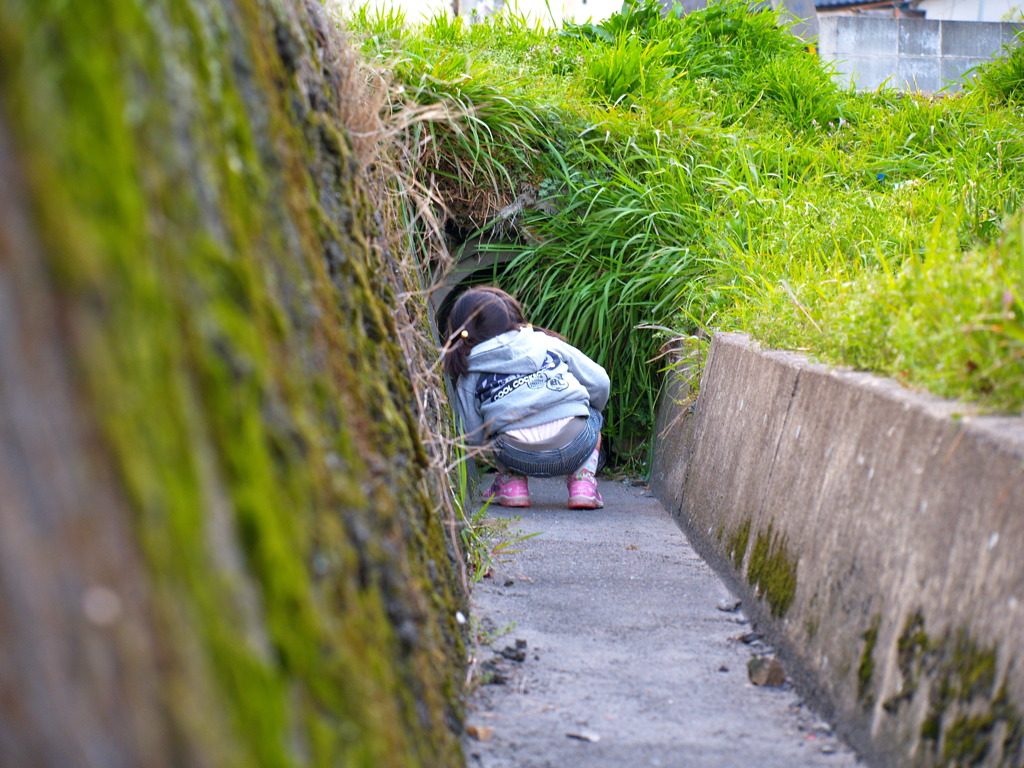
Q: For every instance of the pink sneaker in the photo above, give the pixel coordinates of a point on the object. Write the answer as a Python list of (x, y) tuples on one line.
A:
[(509, 491), (583, 492)]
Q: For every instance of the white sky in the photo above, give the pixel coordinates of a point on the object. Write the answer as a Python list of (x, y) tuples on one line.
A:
[(542, 10)]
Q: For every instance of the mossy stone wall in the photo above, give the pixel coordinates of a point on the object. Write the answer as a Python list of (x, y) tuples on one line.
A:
[(220, 537)]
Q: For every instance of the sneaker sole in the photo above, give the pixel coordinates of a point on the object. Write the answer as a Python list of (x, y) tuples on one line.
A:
[(512, 501), (584, 502)]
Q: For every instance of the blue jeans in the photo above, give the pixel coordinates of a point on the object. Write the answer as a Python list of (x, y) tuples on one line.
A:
[(543, 460)]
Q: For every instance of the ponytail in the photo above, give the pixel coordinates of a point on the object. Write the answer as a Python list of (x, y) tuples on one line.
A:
[(455, 355)]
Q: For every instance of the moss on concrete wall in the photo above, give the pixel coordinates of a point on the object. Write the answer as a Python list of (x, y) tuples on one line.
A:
[(883, 558), (960, 687), (225, 316)]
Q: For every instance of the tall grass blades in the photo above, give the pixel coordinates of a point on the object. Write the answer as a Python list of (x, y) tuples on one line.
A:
[(704, 170), (1003, 79)]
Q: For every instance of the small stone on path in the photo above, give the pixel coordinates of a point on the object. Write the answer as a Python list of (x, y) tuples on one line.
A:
[(766, 671), (480, 732), (729, 604)]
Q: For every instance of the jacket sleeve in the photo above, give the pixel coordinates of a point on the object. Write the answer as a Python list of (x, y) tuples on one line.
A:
[(590, 375), (470, 421)]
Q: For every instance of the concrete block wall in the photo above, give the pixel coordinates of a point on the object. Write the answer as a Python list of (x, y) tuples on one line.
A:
[(876, 535), (909, 54)]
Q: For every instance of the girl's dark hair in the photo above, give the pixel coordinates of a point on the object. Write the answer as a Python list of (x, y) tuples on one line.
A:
[(482, 313), (479, 314)]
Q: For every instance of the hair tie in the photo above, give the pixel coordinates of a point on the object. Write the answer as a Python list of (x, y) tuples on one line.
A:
[(464, 334)]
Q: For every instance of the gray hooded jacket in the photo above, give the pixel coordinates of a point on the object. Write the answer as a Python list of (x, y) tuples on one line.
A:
[(524, 378)]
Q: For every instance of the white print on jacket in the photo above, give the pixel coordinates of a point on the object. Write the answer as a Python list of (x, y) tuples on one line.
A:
[(494, 386)]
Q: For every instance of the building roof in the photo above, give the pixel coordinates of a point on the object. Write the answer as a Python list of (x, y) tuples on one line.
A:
[(826, 4), (837, 3)]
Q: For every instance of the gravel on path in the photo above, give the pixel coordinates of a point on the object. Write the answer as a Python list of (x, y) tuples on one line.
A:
[(606, 642)]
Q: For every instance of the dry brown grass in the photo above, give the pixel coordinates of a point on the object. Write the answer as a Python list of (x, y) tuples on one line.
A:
[(410, 213)]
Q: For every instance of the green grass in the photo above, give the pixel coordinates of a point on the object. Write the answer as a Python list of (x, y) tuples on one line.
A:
[(706, 171)]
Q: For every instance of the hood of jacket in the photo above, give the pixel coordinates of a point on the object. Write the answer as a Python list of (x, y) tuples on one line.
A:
[(521, 351)]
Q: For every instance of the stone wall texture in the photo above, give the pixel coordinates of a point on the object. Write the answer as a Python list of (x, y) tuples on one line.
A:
[(220, 537)]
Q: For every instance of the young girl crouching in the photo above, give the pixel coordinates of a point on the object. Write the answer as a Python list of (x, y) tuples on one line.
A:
[(526, 393)]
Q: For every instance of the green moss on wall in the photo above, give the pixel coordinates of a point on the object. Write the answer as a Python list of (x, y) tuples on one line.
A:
[(968, 716), (230, 323), (737, 548), (772, 570), (866, 668), (957, 723), (912, 647)]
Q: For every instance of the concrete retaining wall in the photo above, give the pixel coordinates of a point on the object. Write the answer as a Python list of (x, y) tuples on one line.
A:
[(909, 54), (876, 535)]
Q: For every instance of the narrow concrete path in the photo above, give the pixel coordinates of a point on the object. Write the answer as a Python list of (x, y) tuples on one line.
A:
[(606, 647)]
